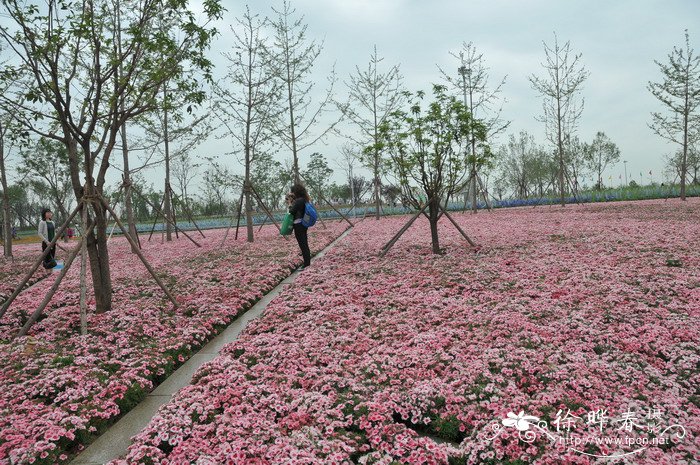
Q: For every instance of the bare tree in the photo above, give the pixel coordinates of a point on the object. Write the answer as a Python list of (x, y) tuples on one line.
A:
[(373, 96), (296, 56), (483, 101), (560, 87), (67, 65), (5, 121), (247, 106), (679, 92), (6, 208), (185, 170)]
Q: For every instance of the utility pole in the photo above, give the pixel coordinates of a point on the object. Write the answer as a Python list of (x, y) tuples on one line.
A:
[(624, 162)]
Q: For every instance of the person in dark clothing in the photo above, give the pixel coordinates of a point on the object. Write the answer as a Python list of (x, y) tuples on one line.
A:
[(297, 199), (47, 231)]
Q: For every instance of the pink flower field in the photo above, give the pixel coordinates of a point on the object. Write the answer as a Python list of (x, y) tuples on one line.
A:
[(12, 271), (565, 325), (54, 398)]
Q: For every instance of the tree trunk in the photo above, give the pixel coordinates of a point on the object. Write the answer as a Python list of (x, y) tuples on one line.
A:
[(127, 189), (99, 261), (167, 207), (434, 211), (248, 210), (96, 244), (473, 187), (6, 224), (377, 199), (684, 161)]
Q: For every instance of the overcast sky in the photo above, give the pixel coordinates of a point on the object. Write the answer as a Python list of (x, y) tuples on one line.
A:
[(619, 41)]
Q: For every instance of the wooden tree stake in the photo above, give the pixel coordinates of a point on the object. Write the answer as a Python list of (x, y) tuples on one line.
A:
[(38, 263), (138, 252)]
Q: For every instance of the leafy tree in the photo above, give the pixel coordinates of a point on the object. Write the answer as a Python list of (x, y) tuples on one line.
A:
[(526, 169), (218, 183), (317, 174), (599, 154), (560, 87), (574, 160), (428, 145), (340, 192), (68, 57), (679, 92), (45, 167), (391, 193), (674, 164)]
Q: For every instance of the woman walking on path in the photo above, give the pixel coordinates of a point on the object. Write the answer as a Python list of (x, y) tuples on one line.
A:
[(297, 199)]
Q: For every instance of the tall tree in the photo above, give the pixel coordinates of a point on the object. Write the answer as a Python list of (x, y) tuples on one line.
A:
[(679, 92), (296, 55), (560, 87), (247, 104), (5, 120), (6, 210), (67, 92), (46, 164), (599, 154), (428, 145), (318, 174), (483, 101), (373, 96), (574, 161)]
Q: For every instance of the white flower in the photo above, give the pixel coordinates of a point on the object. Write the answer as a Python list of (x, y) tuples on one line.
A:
[(521, 421)]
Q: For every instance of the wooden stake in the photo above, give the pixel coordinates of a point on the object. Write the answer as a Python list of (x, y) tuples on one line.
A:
[(140, 255), (156, 220), (37, 313), (484, 193), (190, 217), (83, 281), (449, 217), (262, 204), (331, 205), (240, 210), (160, 212), (38, 263), (398, 235)]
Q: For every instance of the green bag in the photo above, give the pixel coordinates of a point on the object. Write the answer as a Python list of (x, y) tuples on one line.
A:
[(287, 224)]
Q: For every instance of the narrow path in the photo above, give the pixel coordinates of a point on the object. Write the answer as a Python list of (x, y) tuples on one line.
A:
[(115, 441)]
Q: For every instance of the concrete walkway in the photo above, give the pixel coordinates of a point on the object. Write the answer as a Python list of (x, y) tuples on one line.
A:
[(114, 442)]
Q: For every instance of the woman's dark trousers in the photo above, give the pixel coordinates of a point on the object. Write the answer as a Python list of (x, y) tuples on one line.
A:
[(300, 232), (51, 255)]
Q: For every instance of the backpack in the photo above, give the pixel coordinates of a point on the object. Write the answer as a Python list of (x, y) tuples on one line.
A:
[(310, 216)]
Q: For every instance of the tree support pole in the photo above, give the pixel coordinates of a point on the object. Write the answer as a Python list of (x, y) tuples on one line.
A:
[(262, 204), (156, 220), (49, 295), (160, 212), (484, 193), (140, 255), (335, 209), (83, 281), (190, 217), (28, 276), (449, 217), (398, 235), (240, 211)]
